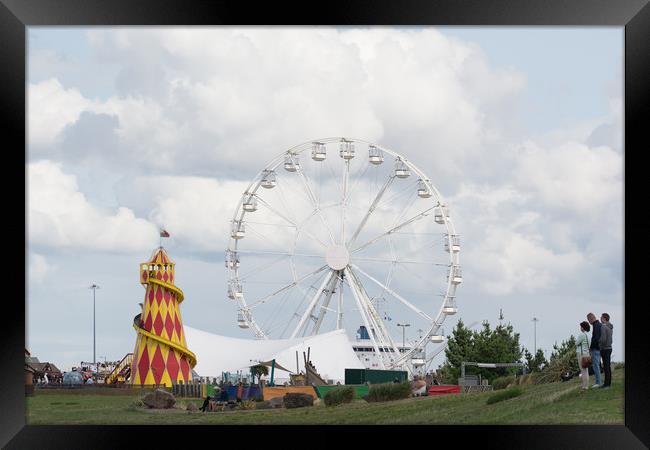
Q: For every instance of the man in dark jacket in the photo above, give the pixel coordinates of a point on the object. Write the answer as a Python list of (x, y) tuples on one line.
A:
[(594, 347), (605, 344)]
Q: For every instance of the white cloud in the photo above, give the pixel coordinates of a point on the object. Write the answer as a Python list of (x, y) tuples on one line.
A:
[(572, 177), (50, 108), (38, 267), (60, 216), (512, 262), (196, 211), (257, 91), (511, 246)]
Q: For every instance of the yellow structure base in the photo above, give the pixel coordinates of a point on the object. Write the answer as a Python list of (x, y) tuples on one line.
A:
[(279, 391)]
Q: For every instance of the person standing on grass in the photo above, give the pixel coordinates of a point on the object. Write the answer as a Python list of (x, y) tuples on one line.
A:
[(606, 348), (582, 350), (595, 348)]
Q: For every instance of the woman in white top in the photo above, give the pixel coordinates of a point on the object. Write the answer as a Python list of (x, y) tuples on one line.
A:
[(582, 350)]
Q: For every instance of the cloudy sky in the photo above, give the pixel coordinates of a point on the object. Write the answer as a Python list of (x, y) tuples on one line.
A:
[(130, 129)]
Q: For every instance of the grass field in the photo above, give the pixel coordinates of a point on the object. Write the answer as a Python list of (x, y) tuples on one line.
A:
[(556, 403)]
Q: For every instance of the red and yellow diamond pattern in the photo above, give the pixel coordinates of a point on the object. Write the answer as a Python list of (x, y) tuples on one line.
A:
[(161, 355)]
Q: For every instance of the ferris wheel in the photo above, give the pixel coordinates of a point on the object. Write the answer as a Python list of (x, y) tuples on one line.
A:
[(339, 233)]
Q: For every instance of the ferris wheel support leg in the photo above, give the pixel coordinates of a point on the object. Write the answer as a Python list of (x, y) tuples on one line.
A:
[(364, 316), (339, 312), (324, 307), (385, 338), (312, 304)]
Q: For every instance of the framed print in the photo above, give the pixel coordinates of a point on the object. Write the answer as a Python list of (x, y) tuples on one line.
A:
[(436, 197)]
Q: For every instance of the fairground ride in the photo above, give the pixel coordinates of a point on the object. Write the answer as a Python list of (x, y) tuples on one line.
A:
[(336, 232)]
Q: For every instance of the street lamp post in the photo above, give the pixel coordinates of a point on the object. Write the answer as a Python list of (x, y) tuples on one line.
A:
[(94, 287), (535, 320), (403, 333)]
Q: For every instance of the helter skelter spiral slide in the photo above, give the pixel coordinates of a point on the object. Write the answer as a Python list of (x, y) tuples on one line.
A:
[(161, 355)]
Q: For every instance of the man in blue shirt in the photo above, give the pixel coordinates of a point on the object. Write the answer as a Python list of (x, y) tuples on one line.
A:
[(594, 347)]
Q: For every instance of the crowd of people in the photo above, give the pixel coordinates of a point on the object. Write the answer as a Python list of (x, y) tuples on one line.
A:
[(593, 351)]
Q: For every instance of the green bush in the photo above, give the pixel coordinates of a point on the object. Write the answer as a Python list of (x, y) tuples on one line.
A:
[(388, 391), (618, 365), (339, 395), (502, 382), (557, 366), (504, 395)]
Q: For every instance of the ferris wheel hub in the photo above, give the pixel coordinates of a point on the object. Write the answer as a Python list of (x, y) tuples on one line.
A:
[(337, 257)]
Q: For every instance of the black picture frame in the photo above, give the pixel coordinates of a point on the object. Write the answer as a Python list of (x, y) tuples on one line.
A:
[(634, 15)]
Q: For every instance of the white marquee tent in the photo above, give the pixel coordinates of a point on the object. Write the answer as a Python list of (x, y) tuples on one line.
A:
[(331, 353)]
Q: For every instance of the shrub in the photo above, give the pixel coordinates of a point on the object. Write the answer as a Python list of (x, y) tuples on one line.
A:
[(388, 391), (531, 378), (502, 382), (248, 404), (504, 395), (618, 365), (339, 395), (565, 363)]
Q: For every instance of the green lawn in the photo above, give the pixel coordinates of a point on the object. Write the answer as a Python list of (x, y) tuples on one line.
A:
[(556, 403)]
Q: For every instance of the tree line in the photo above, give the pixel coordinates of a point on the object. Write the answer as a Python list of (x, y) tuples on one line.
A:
[(501, 345)]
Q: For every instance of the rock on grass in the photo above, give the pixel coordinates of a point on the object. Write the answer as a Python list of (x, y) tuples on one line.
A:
[(159, 399)]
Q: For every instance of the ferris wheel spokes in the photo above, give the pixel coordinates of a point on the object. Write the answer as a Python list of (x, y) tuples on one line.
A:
[(395, 294), (294, 224), (346, 177), (284, 288), (395, 228), (378, 197), (261, 268), (263, 252), (400, 261), (358, 176), (312, 198)]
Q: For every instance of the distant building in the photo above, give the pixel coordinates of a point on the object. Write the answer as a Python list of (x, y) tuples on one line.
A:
[(42, 371), (29, 375)]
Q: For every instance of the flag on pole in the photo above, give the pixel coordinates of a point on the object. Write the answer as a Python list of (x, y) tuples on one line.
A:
[(164, 233)]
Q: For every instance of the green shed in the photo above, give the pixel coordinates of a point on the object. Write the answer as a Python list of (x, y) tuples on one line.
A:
[(374, 376), (355, 376)]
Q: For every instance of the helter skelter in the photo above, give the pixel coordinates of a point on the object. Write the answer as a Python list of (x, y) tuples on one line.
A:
[(161, 355)]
